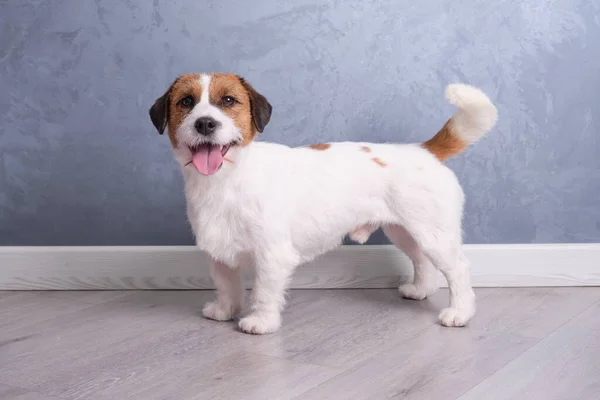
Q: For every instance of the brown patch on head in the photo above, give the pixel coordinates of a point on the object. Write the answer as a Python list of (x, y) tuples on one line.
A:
[(168, 109), (249, 110), (186, 86), (224, 88), (366, 149), (378, 161), (320, 146), (445, 143)]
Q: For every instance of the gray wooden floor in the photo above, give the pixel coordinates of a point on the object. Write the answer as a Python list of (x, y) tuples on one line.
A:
[(342, 344)]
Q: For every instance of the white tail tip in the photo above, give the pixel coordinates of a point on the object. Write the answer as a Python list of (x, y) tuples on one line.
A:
[(476, 114)]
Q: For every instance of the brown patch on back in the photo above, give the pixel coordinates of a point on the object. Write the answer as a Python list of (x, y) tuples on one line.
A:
[(222, 85), (186, 85), (366, 149), (378, 161), (445, 143), (320, 146)]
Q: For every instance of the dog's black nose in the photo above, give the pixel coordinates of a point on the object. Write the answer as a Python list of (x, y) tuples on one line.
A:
[(206, 125)]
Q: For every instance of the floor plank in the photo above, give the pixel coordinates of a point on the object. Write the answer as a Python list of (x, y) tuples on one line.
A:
[(236, 376), (443, 363), (21, 309), (563, 366), (14, 393), (88, 296)]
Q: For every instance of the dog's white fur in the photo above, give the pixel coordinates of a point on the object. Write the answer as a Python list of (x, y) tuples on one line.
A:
[(276, 207)]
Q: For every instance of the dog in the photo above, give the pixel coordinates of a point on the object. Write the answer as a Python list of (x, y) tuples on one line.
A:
[(274, 207)]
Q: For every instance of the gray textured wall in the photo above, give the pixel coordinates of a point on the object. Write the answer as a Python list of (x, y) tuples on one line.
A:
[(80, 162)]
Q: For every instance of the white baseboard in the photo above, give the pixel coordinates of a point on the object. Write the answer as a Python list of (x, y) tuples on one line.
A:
[(183, 267)]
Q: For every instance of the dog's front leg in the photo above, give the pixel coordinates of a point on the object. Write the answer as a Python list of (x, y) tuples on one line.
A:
[(230, 293), (271, 279)]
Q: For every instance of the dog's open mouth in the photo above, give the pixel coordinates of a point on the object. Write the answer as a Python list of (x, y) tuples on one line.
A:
[(208, 157)]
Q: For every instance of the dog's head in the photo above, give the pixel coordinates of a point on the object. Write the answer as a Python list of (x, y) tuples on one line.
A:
[(207, 114)]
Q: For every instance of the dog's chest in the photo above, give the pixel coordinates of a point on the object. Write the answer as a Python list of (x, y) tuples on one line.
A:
[(221, 224)]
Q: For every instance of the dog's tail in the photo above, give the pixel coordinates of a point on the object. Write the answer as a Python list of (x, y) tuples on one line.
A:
[(475, 116)]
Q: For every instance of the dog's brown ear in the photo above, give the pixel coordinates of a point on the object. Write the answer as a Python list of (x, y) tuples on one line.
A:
[(159, 112), (259, 106)]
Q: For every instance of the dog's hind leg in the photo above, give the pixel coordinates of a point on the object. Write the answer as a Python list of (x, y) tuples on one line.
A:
[(425, 280), (455, 267), (442, 246), (362, 233)]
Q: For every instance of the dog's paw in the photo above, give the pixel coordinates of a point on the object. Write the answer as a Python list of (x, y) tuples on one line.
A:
[(260, 324), (413, 292), (454, 317), (216, 311), (360, 236)]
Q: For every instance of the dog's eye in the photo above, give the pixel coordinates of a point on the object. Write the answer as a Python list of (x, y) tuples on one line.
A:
[(228, 101), (187, 101)]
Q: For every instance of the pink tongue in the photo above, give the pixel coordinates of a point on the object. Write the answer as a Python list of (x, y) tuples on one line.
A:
[(208, 159)]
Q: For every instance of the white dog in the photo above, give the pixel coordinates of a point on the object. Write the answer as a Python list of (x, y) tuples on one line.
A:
[(274, 207)]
